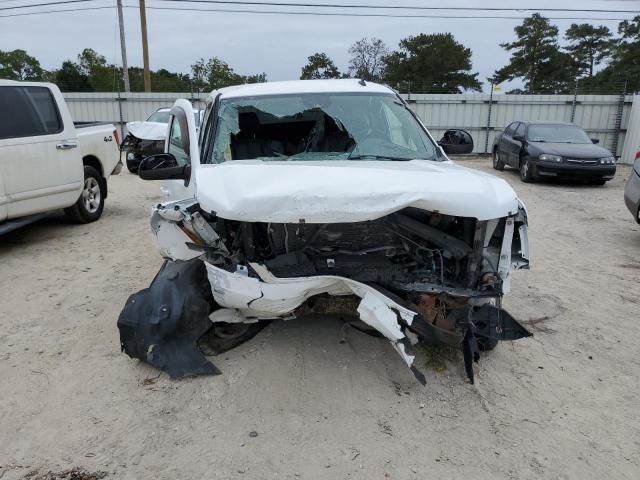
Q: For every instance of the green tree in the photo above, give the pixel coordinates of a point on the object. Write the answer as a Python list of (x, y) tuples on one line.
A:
[(589, 45), (536, 58), (70, 79), (256, 78), (165, 81), (319, 66), (625, 62), (436, 61), (103, 77), (367, 59), (19, 65), (214, 74)]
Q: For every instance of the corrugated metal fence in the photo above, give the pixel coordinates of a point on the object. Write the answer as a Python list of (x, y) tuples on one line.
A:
[(603, 116)]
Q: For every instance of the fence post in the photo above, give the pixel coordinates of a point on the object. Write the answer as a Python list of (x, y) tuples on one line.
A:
[(486, 138), (574, 103), (119, 100), (618, 120)]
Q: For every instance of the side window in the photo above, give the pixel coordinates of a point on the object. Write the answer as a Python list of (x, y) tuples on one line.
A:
[(520, 130), (46, 107), (511, 129), (27, 112), (175, 143)]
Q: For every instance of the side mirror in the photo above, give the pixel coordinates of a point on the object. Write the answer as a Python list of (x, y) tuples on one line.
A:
[(519, 138), (595, 140), (163, 166), (456, 142)]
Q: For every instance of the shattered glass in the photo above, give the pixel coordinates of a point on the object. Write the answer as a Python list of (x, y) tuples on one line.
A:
[(319, 127)]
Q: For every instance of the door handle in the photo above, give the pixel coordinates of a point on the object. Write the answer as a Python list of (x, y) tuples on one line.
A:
[(66, 145)]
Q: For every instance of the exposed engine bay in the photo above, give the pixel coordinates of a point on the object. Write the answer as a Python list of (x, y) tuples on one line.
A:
[(412, 276)]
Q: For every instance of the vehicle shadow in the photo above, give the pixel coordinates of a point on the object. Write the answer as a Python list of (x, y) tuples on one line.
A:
[(514, 174), (43, 230)]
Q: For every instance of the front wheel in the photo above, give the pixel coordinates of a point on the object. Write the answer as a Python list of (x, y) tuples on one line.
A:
[(526, 173), (497, 163), (88, 208)]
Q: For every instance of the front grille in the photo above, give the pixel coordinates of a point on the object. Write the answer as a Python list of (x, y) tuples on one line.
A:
[(584, 161)]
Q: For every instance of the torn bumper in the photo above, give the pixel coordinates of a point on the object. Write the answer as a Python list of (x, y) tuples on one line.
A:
[(162, 324)]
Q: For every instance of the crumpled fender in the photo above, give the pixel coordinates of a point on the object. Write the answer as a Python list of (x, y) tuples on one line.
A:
[(161, 324)]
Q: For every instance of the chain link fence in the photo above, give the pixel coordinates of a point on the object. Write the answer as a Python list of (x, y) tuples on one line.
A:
[(602, 110)]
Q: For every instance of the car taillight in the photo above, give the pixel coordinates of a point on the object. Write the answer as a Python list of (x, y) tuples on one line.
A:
[(637, 154), (115, 135)]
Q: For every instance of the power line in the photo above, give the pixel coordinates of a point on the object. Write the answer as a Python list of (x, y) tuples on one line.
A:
[(322, 14), (354, 6), (384, 15), (405, 7), (56, 11), (59, 2)]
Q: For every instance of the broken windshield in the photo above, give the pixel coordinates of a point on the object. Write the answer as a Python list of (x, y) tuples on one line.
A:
[(303, 127)]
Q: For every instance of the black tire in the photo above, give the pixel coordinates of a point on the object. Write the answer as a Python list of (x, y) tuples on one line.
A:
[(132, 169), (485, 344), (526, 175), (88, 208), (497, 163), (598, 181)]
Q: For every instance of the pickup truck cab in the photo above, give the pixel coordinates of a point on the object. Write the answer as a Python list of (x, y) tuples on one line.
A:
[(46, 162), (329, 195)]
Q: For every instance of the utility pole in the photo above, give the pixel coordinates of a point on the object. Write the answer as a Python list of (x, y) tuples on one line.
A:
[(145, 47), (123, 48)]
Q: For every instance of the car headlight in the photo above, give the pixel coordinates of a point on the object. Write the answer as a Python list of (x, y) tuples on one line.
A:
[(608, 160), (550, 158)]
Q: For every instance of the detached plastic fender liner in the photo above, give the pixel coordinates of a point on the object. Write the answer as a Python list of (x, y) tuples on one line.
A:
[(161, 324)]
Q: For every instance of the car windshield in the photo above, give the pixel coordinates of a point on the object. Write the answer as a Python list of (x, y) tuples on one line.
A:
[(557, 134), (332, 126), (159, 117)]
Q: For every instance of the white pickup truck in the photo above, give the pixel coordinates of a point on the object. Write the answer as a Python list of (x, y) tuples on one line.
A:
[(46, 162), (322, 196)]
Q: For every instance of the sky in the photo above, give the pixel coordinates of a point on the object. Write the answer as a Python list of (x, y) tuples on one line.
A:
[(276, 44)]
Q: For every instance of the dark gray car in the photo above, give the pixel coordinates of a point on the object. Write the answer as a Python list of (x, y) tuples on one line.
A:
[(552, 149)]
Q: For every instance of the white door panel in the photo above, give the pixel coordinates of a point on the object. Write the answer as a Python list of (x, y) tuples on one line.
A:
[(40, 162), (174, 190)]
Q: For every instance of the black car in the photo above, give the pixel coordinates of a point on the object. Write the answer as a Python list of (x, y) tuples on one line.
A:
[(552, 149)]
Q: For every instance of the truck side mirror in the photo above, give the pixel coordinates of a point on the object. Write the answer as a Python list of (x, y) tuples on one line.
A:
[(456, 142), (595, 140), (519, 138), (163, 166)]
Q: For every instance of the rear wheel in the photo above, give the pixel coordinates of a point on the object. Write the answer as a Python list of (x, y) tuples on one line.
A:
[(526, 173), (88, 208), (497, 163)]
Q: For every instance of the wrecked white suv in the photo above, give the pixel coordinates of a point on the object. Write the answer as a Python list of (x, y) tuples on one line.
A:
[(324, 196)]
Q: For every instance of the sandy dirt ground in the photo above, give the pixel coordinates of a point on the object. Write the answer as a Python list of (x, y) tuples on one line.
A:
[(296, 402)]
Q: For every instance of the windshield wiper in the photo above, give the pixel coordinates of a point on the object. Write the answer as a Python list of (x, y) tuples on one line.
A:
[(383, 157)]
